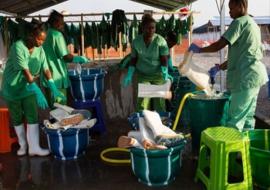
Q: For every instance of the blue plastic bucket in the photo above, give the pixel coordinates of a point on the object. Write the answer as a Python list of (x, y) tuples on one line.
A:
[(67, 144), (156, 167), (88, 85)]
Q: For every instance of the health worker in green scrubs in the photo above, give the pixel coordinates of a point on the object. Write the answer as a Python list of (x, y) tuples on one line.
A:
[(57, 55), (245, 71), (26, 61), (149, 57)]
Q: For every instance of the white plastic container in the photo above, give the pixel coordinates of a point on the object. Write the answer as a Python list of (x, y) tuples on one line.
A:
[(155, 91), (194, 73)]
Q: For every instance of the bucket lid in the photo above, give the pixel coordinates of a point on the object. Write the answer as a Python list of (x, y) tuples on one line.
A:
[(200, 95)]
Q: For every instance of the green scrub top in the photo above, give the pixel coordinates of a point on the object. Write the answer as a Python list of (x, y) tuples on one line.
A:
[(55, 49), (148, 58), (14, 82), (245, 69)]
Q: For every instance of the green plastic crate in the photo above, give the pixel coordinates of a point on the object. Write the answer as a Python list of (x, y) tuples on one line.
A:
[(260, 157)]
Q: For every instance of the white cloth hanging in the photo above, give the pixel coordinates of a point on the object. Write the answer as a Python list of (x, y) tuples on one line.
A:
[(3, 51), (3, 59)]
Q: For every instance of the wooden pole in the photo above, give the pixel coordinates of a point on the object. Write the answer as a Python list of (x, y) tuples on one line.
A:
[(82, 36)]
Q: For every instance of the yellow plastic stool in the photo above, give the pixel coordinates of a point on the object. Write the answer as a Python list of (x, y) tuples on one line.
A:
[(218, 146)]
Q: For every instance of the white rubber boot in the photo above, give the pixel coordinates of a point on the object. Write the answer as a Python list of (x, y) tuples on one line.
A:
[(147, 137), (154, 87), (20, 131), (163, 134), (149, 90), (146, 132), (33, 141), (136, 135), (153, 121), (156, 94)]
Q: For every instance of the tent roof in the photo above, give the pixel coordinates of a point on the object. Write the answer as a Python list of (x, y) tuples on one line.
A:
[(168, 5), (24, 7)]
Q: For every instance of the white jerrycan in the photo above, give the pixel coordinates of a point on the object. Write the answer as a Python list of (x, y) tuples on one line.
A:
[(155, 91), (194, 73)]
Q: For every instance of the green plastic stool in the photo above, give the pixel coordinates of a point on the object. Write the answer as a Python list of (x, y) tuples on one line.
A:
[(218, 145)]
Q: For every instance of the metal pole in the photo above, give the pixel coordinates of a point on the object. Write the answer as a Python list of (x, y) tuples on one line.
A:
[(222, 51)]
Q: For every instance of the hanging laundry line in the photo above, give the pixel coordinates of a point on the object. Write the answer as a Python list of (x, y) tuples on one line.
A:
[(83, 18)]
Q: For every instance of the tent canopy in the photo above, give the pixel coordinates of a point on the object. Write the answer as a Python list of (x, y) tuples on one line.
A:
[(24, 7), (168, 5)]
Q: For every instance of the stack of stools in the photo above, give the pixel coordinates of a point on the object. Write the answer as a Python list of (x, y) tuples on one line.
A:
[(96, 107), (218, 146), (5, 140)]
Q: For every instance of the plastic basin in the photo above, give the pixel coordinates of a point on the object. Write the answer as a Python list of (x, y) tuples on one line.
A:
[(88, 85), (205, 113), (156, 167), (67, 144)]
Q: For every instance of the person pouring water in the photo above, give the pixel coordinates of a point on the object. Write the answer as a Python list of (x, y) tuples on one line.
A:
[(245, 71)]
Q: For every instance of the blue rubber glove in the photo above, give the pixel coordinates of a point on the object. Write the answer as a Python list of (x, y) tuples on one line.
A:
[(214, 70), (57, 95), (165, 74), (80, 59), (41, 100), (128, 78), (194, 48)]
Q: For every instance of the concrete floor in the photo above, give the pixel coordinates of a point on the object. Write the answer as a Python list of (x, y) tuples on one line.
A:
[(87, 172)]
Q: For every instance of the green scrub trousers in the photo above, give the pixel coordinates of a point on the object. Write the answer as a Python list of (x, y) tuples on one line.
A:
[(25, 108), (242, 109)]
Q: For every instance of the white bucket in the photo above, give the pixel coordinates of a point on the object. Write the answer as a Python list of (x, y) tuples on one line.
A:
[(194, 73)]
